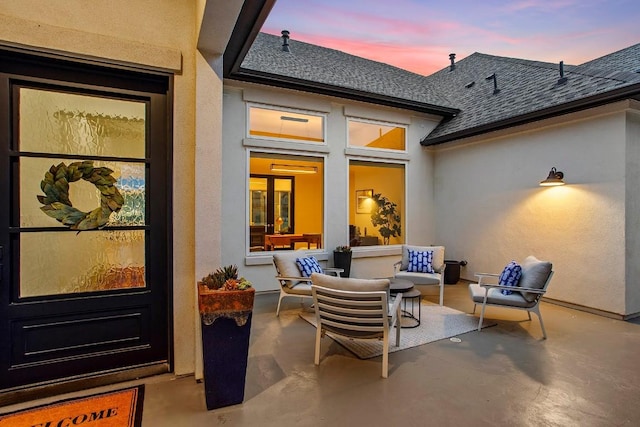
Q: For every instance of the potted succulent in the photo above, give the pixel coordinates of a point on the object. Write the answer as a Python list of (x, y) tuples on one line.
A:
[(225, 303), (342, 259)]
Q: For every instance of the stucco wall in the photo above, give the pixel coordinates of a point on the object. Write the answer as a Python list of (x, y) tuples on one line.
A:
[(490, 208), (157, 34), (632, 172), (367, 262)]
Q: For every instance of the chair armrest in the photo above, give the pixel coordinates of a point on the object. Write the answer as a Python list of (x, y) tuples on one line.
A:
[(482, 276), (333, 270), (513, 288), (396, 267), (299, 279)]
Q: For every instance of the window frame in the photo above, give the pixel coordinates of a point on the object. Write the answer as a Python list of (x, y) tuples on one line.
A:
[(350, 119), (290, 153), (403, 213), (323, 116)]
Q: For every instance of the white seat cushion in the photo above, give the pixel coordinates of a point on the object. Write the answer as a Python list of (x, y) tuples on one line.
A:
[(419, 278), (496, 297)]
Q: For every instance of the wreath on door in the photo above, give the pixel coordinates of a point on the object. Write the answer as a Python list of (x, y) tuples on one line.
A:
[(57, 204)]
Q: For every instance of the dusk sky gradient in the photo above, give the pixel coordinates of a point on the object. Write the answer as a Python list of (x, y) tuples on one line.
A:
[(419, 35)]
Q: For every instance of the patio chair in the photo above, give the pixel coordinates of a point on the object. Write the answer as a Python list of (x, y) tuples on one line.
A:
[(292, 283), (532, 285), (418, 272), (355, 308)]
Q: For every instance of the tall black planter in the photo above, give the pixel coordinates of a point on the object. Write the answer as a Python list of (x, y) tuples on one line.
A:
[(342, 260), (226, 327), (225, 347)]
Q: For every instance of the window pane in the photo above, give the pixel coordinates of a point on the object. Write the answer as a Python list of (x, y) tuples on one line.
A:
[(286, 202), (84, 196), (376, 135), (64, 123), (277, 124), (377, 203), (66, 262)]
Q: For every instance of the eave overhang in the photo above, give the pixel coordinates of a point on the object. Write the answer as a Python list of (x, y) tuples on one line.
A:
[(627, 92), (252, 76)]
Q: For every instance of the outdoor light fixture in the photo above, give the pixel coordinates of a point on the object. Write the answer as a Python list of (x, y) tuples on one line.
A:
[(276, 167), (554, 178)]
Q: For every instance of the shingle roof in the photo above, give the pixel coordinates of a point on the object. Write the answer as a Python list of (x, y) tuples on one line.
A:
[(525, 87), (528, 90), (319, 65)]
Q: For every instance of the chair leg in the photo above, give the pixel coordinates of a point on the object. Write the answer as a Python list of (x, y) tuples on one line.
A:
[(537, 311), (481, 317), (441, 292), (282, 295), (316, 358), (474, 309), (385, 355)]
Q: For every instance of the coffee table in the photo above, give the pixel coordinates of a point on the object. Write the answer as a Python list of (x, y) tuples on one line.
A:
[(409, 295)]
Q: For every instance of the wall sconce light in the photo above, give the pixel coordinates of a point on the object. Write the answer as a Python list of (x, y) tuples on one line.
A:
[(554, 178), (276, 167)]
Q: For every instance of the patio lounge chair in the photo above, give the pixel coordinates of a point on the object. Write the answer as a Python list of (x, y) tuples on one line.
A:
[(436, 277)]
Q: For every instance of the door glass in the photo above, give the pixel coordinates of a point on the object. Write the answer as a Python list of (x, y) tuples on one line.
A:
[(282, 196), (68, 205), (65, 123)]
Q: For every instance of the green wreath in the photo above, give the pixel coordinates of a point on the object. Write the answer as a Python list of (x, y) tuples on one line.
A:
[(55, 186)]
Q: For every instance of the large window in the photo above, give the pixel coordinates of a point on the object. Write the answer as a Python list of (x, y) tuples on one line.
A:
[(376, 203), (285, 202), (376, 135), (267, 123)]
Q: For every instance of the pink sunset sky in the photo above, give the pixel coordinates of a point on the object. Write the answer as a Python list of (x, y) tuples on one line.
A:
[(419, 35)]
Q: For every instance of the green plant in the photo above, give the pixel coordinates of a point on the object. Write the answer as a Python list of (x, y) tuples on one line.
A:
[(342, 249), (386, 217), (226, 278)]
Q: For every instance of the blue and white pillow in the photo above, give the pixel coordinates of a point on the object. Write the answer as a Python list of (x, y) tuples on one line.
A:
[(308, 265), (510, 276), (420, 261)]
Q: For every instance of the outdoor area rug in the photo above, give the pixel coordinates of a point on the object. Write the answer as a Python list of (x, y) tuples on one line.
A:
[(121, 408), (437, 323)]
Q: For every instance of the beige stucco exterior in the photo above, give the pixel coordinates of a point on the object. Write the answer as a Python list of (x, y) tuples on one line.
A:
[(490, 208), (479, 198)]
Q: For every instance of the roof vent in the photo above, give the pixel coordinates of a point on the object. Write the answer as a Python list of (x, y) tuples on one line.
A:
[(562, 80), (452, 58), (285, 41), (495, 82), (469, 85)]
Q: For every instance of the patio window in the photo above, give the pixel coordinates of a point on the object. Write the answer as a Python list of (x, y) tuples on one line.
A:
[(376, 203), (281, 124), (286, 202), (376, 135)]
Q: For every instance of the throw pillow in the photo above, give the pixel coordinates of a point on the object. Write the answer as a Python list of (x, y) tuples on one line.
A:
[(420, 261), (510, 277), (308, 265)]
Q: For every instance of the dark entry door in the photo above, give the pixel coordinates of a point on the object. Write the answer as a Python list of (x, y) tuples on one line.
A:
[(84, 224)]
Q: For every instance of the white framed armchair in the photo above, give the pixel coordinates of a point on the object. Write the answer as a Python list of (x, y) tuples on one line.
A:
[(292, 283), (355, 308), (401, 268), (527, 295)]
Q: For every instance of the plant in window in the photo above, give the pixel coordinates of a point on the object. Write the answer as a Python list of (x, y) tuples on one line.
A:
[(386, 217)]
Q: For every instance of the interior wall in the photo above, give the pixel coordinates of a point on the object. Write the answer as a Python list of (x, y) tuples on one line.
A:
[(491, 209)]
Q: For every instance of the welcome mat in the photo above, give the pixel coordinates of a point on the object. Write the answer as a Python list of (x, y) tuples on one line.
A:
[(437, 323), (121, 408)]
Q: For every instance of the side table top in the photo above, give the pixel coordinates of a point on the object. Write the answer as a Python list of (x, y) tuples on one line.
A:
[(400, 285)]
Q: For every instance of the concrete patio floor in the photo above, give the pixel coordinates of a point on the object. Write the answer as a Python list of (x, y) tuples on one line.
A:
[(587, 373)]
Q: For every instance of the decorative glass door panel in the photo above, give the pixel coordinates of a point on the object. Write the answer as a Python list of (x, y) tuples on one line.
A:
[(85, 260)]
